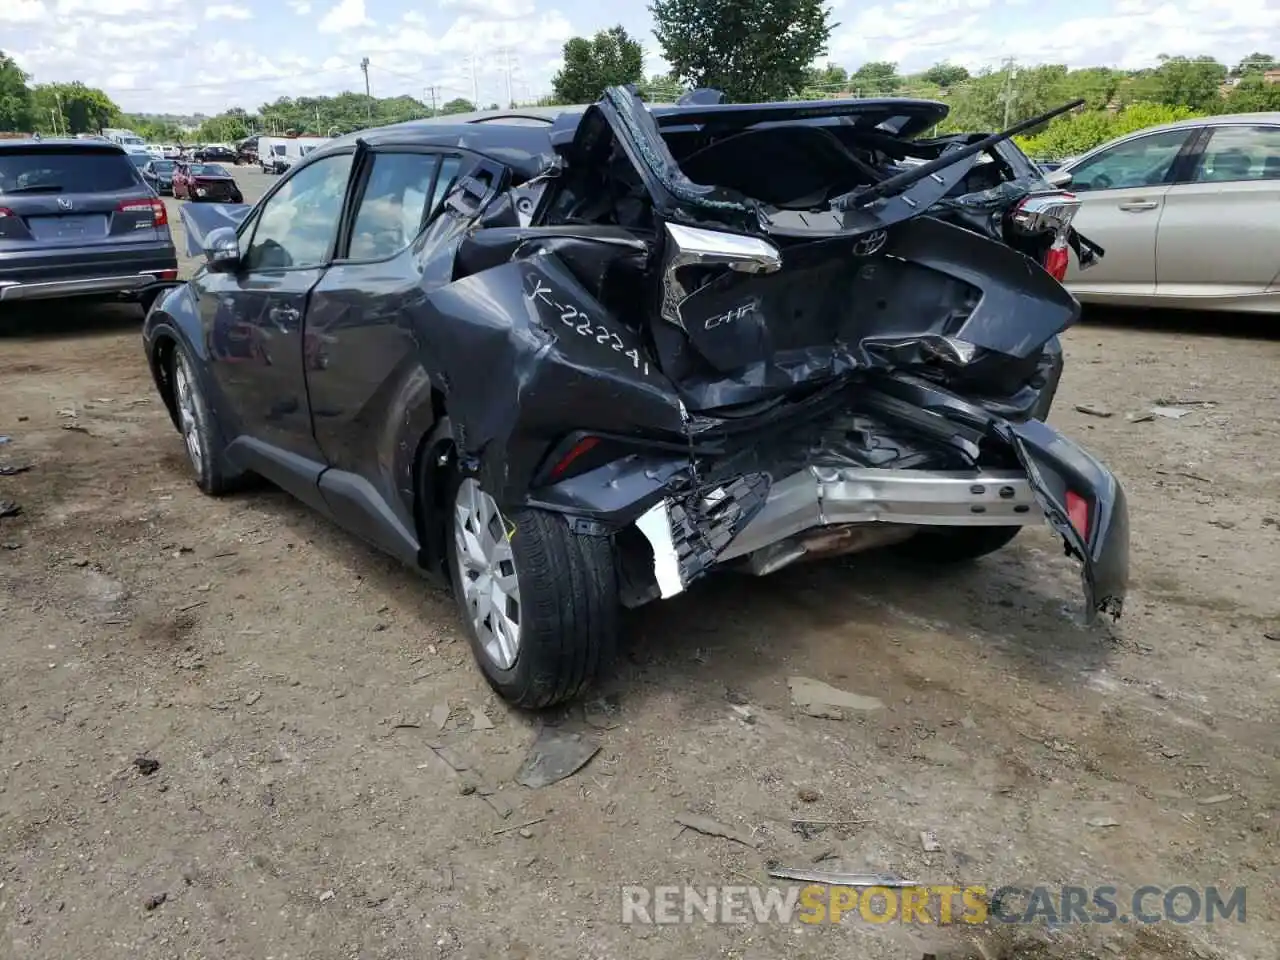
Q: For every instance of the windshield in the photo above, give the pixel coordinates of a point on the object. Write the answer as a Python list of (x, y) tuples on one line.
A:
[(162, 166), (139, 160), (208, 170), (64, 171), (132, 141), (278, 149)]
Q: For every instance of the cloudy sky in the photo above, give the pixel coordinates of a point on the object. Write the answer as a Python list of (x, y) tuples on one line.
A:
[(207, 55)]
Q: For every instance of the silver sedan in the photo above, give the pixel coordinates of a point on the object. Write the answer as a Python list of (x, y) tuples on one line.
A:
[(1188, 213)]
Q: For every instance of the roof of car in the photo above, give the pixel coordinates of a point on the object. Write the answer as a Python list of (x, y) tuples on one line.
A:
[(1223, 120), (26, 143), (521, 137), (1226, 119)]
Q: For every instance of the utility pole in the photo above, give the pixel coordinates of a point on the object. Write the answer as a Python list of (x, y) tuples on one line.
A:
[(1011, 73), (431, 93), (506, 56), (475, 84), (364, 65)]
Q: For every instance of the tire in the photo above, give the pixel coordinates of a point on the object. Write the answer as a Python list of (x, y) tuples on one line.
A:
[(956, 545), (204, 449), (567, 599)]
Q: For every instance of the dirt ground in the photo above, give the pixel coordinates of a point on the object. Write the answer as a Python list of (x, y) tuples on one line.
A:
[(284, 677)]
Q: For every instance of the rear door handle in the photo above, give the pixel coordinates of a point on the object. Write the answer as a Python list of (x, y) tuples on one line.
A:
[(1138, 205)]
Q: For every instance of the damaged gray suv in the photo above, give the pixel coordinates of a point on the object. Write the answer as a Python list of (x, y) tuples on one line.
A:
[(575, 360)]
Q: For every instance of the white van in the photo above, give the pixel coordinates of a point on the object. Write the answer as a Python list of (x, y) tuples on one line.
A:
[(278, 154)]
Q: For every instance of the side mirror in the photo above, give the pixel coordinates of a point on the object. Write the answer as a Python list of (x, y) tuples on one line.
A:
[(1058, 178), (222, 250)]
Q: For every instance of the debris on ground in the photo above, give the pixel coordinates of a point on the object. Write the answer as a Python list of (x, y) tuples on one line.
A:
[(480, 720), (808, 795), (440, 715), (818, 699), (4, 440), (836, 879), (9, 508), (252, 698), (448, 756), (712, 828), (929, 841), (1139, 417), (146, 765), (554, 755), (1170, 413), (521, 828), (154, 901), (1092, 411), (1103, 822), (1216, 798), (13, 469), (327, 896)]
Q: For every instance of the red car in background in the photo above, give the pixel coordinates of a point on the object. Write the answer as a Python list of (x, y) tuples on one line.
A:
[(205, 181)]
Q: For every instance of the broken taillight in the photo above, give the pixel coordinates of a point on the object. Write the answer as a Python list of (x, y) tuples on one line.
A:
[(1078, 514), (585, 445), (1050, 213), (6, 212)]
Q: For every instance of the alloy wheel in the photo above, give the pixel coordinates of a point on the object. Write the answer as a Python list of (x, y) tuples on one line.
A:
[(188, 422), (487, 573)]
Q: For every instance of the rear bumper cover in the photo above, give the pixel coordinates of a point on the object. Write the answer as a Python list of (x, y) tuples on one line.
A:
[(13, 290), (771, 531)]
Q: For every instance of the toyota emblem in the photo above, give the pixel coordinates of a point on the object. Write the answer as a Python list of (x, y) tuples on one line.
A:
[(870, 244), (64, 203)]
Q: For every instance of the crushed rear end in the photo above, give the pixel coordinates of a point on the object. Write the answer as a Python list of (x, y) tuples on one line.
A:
[(746, 335)]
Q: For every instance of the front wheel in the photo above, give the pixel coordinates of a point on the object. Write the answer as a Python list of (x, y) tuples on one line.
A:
[(539, 601), (204, 450), (948, 545)]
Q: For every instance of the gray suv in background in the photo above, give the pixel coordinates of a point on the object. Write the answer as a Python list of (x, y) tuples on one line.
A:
[(77, 219)]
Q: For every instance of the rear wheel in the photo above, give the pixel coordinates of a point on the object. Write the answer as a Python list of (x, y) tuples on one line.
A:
[(955, 545), (540, 602)]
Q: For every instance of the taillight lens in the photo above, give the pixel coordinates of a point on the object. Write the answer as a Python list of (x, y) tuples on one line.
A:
[(6, 212), (1078, 514), (1056, 261), (585, 445), (1050, 213), (152, 205)]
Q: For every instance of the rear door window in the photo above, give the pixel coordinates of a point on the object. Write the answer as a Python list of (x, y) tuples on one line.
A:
[(1240, 153), (403, 191), (65, 171)]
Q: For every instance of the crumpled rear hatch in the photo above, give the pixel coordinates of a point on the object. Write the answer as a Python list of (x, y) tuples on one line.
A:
[(795, 245)]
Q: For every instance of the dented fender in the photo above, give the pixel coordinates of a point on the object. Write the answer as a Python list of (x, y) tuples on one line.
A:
[(539, 351)]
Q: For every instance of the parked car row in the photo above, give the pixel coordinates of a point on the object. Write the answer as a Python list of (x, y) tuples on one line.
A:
[(185, 180)]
